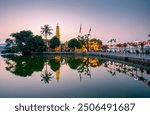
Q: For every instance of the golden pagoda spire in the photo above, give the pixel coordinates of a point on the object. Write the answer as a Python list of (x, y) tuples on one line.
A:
[(58, 74), (57, 36), (58, 58), (57, 31)]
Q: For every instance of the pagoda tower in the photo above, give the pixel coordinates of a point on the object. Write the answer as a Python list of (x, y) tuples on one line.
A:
[(57, 31), (58, 49), (58, 36)]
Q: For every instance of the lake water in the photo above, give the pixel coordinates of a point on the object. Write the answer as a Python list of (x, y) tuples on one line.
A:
[(55, 76)]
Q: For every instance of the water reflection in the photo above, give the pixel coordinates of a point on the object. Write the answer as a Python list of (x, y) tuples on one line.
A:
[(46, 77), (55, 63), (130, 71), (24, 66), (83, 64)]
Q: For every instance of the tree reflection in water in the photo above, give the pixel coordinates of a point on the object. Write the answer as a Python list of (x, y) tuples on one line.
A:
[(127, 70), (80, 64), (83, 65), (46, 77), (24, 66)]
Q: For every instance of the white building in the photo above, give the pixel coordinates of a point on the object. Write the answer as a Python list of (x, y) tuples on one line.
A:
[(129, 48)]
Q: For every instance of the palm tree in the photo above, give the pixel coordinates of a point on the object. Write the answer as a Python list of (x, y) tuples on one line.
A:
[(46, 77), (46, 30), (110, 41), (114, 40)]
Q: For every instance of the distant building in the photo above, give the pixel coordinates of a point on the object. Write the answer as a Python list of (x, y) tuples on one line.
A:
[(132, 47)]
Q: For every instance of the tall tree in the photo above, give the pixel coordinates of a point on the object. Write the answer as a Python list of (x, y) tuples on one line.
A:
[(114, 41), (45, 31), (84, 41), (38, 44), (26, 42), (96, 40), (74, 43), (95, 44), (54, 42), (110, 41), (23, 41)]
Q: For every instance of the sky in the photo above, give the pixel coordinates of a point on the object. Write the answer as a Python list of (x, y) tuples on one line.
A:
[(124, 20)]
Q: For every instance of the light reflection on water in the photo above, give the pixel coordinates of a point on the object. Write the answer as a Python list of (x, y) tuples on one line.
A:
[(55, 76)]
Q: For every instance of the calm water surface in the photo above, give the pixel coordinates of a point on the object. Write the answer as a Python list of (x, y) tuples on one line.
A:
[(55, 76)]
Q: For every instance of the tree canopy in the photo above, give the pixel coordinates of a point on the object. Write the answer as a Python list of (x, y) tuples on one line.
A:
[(96, 41), (54, 64), (54, 42), (24, 66), (74, 63), (74, 43), (46, 30), (26, 42)]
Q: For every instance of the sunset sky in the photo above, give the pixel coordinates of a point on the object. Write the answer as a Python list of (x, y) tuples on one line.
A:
[(125, 20)]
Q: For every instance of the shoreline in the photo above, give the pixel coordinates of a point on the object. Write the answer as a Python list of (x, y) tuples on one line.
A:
[(134, 58)]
